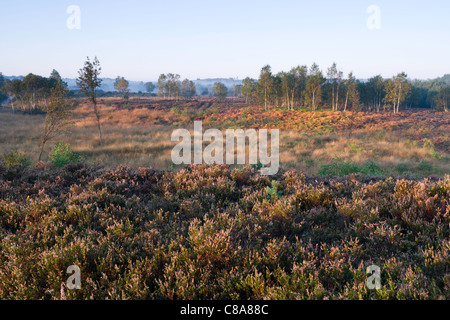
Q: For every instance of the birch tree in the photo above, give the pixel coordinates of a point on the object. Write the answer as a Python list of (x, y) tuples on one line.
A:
[(88, 81), (57, 116), (397, 89), (313, 89), (352, 95)]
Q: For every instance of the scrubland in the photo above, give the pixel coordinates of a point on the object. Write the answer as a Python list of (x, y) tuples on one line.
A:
[(354, 190), (213, 232), (137, 133)]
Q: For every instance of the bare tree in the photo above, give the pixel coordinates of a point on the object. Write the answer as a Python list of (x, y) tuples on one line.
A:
[(57, 116)]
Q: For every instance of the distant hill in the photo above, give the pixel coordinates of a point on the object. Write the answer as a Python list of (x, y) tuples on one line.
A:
[(139, 86), (201, 84), (136, 86), (108, 85)]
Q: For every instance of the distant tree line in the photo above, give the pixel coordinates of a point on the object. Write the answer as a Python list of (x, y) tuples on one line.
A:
[(170, 86), (48, 95), (3, 97), (300, 87), (304, 87), (32, 92)]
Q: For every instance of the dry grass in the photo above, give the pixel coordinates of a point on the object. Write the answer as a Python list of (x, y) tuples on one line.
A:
[(138, 134)]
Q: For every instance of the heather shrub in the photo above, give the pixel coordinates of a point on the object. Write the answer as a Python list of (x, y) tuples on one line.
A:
[(242, 176), (212, 232), (309, 196), (15, 158), (291, 180)]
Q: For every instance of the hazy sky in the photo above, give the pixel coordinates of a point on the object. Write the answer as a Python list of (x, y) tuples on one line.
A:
[(198, 39)]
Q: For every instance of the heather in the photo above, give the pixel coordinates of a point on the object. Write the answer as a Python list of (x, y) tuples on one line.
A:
[(217, 232)]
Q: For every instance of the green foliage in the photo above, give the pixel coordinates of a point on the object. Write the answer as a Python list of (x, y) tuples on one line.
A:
[(187, 88), (371, 168), (220, 91), (2, 89), (169, 85), (273, 192), (15, 158), (425, 166), (355, 148), (310, 163), (176, 110), (299, 88), (62, 155), (397, 90), (402, 168), (429, 146), (89, 79), (313, 89), (150, 87), (121, 85), (339, 167), (58, 115), (257, 166)]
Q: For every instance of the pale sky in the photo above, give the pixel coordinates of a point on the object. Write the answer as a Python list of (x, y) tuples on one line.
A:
[(204, 39)]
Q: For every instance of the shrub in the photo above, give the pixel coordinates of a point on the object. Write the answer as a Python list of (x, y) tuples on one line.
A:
[(354, 148), (210, 232), (14, 158), (62, 155), (257, 166), (429, 146), (425, 167), (309, 163), (273, 192), (339, 167), (175, 110), (371, 168), (402, 168)]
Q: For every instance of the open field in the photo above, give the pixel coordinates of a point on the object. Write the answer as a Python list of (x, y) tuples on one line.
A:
[(354, 190), (137, 133)]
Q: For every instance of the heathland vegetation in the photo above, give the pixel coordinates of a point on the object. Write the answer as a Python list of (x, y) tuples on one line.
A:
[(325, 119), (86, 179), (212, 232)]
